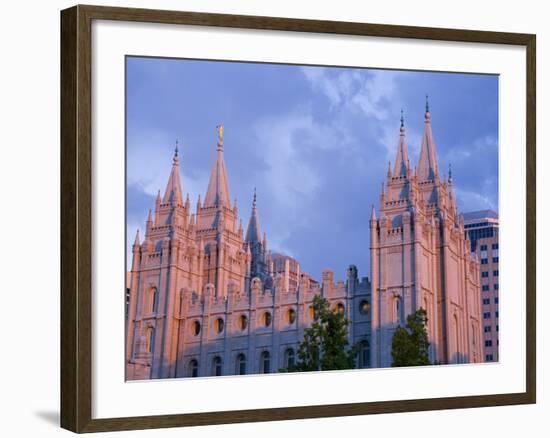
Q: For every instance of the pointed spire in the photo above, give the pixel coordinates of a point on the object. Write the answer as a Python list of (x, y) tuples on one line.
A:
[(217, 194), (172, 193), (450, 180), (373, 213), (136, 240), (402, 157), (253, 232), (150, 217), (427, 164)]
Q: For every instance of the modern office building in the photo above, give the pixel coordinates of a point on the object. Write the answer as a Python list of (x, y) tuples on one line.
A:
[(482, 229)]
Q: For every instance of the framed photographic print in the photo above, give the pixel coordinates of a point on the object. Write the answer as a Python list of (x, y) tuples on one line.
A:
[(268, 218)]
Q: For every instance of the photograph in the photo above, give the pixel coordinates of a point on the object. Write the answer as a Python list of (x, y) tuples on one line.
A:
[(285, 218)]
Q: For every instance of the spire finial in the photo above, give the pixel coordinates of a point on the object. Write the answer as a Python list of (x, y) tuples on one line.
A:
[(402, 119), (450, 174), (220, 136), (176, 152), (254, 199), (427, 104)]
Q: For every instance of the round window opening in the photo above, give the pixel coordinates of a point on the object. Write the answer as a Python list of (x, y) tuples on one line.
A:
[(313, 313), (196, 328), (219, 325), (291, 315), (243, 322), (364, 307)]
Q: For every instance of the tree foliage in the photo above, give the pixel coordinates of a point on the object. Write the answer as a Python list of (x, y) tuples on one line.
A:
[(410, 344), (325, 344)]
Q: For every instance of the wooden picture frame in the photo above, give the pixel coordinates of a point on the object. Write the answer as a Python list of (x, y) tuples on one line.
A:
[(76, 217)]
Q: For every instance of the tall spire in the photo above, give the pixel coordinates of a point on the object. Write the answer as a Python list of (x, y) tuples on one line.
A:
[(172, 193), (427, 164), (253, 232), (217, 194), (402, 157)]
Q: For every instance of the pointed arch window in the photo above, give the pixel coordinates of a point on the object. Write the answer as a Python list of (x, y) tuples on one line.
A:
[(240, 364), (150, 337), (265, 362), (364, 354), (153, 300), (193, 368), (217, 366), (397, 310), (290, 358)]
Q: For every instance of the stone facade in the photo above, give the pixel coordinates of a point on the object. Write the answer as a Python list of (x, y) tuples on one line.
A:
[(206, 299), (420, 258)]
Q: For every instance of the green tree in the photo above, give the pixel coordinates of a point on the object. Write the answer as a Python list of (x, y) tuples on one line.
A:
[(325, 345), (410, 345)]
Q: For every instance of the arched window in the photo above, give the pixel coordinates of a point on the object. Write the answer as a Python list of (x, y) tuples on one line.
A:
[(243, 322), (266, 319), (217, 366), (340, 308), (150, 339), (291, 316), (364, 307), (397, 306), (240, 364), (265, 362), (193, 368), (290, 357), (196, 328), (153, 300), (457, 340), (218, 325), (364, 354)]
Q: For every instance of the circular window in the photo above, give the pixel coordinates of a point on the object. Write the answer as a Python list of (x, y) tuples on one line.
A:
[(267, 319), (313, 314), (243, 322), (219, 325), (364, 307), (291, 316), (196, 328)]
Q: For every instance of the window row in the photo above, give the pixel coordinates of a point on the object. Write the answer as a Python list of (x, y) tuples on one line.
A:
[(264, 365), (266, 318), (241, 364)]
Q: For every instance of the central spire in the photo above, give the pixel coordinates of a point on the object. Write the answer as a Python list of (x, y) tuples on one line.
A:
[(172, 193), (427, 164), (253, 232), (402, 157), (217, 194)]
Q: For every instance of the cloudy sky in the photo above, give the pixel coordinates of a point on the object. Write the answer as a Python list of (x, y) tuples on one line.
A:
[(314, 141)]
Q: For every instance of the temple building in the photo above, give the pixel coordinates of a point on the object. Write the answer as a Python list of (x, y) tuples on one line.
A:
[(420, 258), (206, 299)]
